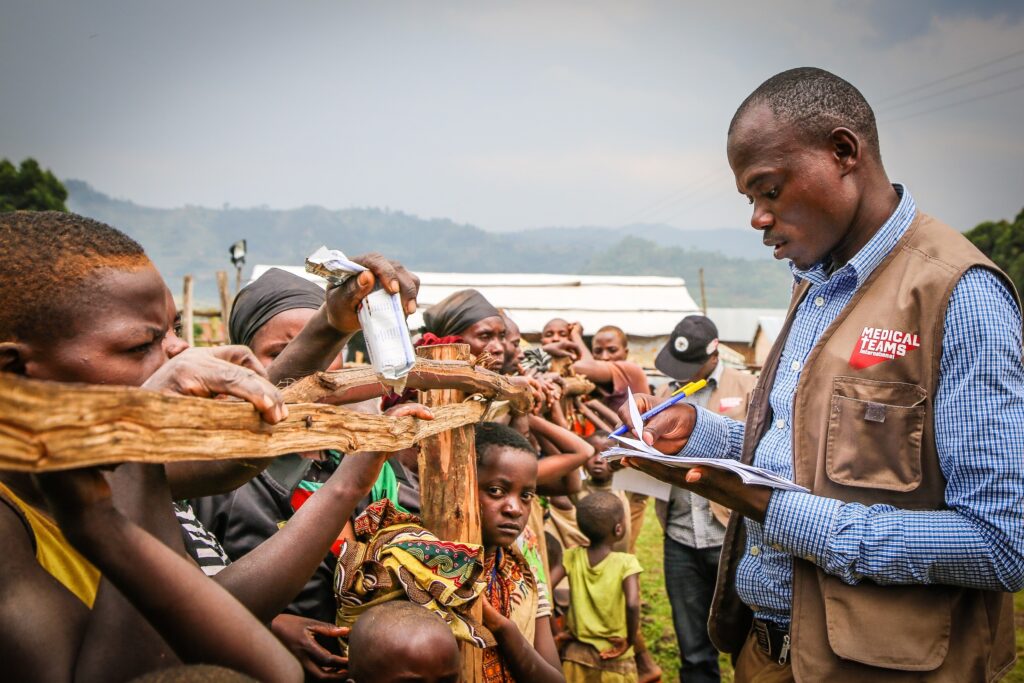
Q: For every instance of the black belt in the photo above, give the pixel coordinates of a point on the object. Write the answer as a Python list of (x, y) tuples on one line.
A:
[(773, 640)]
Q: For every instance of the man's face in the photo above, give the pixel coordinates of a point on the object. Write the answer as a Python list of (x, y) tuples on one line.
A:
[(513, 353), (609, 346), (804, 202), (117, 338)]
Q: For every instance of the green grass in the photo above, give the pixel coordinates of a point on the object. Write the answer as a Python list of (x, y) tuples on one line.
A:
[(657, 615)]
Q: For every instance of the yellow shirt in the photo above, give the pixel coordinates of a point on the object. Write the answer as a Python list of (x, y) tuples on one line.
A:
[(55, 554), (597, 606)]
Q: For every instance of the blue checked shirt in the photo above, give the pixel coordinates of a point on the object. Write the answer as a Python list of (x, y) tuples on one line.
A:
[(979, 433)]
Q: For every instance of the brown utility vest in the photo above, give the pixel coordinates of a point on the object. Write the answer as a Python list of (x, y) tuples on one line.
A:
[(863, 431)]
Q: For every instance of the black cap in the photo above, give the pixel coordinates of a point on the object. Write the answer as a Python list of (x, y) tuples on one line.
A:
[(693, 341)]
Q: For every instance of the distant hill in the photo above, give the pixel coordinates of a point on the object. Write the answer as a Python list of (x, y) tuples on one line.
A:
[(738, 271)]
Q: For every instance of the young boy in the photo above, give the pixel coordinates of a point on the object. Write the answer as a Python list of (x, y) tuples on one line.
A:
[(507, 481), (399, 642), (604, 608)]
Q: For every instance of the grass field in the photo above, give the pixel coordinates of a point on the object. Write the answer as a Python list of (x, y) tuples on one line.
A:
[(657, 616)]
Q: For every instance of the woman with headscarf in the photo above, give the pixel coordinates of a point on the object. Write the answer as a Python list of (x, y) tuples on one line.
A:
[(271, 311), (466, 316)]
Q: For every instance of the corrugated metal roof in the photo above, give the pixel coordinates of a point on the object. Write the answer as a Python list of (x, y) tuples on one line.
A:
[(642, 306), (740, 324)]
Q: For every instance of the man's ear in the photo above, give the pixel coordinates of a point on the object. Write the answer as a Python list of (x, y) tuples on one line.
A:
[(846, 148), (12, 357)]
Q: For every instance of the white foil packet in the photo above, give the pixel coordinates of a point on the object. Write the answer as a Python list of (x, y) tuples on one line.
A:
[(380, 314)]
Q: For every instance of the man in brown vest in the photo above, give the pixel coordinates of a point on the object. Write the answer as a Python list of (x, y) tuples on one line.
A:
[(895, 394)]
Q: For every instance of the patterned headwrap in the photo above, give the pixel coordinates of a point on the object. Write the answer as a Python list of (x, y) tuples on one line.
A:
[(395, 558)]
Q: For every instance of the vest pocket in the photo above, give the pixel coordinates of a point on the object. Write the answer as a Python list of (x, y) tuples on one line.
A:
[(874, 434), (893, 627)]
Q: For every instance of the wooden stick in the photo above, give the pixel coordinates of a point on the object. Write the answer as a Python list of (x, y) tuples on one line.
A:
[(577, 385), (186, 313), (225, 302), (48, 426), (350, 385), (448, 488)]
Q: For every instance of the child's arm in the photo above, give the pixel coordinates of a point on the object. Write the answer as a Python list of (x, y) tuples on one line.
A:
[(270, 576), (537, 661), (631, 587), (556, 473), (199, 620)]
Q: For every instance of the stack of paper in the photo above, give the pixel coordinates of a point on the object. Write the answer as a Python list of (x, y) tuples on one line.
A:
[(635, 448)]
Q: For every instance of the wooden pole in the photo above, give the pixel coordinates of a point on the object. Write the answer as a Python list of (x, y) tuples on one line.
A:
[(186, 313), (238, 279), (225, 302), (448, 487), (703, 296)]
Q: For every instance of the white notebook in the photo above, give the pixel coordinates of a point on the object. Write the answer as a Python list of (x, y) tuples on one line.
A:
[(634, 448)]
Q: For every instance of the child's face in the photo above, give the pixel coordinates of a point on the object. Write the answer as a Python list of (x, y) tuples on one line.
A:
[(507, 484), (598, 470), (117, 339), (555, 330)]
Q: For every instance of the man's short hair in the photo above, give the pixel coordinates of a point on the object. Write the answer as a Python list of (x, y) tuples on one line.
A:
[(617, 330), (597, 515), (45, 257), (491, 435), (815, 102)]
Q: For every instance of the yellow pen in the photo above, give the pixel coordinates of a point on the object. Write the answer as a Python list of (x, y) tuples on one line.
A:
[(688, 390)]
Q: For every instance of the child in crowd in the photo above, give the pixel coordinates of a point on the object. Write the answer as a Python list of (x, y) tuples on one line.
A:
[(604, 607), (93, 565), (513, 612), (399, 642)]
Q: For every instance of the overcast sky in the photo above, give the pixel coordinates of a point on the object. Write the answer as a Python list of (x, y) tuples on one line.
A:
[(505, 115)]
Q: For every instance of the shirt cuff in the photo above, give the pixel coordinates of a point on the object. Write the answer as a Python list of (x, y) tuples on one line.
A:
[(709, 438), (800, 523)]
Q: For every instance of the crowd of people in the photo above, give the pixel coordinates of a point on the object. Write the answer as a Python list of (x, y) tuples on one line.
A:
[(895, 565)]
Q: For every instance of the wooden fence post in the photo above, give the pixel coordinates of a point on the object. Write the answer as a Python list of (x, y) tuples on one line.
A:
[(448, 488), (186, 313), (225, 302)]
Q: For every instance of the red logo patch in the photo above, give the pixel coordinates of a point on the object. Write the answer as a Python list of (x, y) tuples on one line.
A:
[(877, 344)]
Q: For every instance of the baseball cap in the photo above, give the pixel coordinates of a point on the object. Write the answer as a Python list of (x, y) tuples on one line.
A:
[(692, 342)]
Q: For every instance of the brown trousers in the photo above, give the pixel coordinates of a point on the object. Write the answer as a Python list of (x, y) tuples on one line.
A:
[(754, 666)]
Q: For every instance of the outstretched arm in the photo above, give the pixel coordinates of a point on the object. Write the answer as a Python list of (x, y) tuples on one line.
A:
[(270, 576), (536, 661), (197, 618), (557, 473)]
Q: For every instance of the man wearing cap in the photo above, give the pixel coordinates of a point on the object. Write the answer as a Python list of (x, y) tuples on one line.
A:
[(694, 526)]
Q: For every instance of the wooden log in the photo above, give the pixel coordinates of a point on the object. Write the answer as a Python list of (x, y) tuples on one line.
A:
[(577, 385), (225, 302), (186, 312), (48, 426), (448, 489), (349, 385)]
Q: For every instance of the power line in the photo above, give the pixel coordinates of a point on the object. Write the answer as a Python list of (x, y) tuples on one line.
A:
[(953, 88), (923, 86), (956, 104)]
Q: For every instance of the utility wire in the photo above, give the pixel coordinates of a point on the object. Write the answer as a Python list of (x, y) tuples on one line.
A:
[(956, 104), (953, 88), (923, 86)]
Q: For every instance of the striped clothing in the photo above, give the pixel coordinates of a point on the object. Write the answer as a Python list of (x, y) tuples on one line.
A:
[(200, 544), (978, 541)]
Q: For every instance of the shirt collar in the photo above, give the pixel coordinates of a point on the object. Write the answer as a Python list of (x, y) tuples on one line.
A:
[(716, 374), (871, 254)]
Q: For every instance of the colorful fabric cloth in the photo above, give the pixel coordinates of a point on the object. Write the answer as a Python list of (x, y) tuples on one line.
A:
[(597, 603), (512, 590), (395, 558)]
